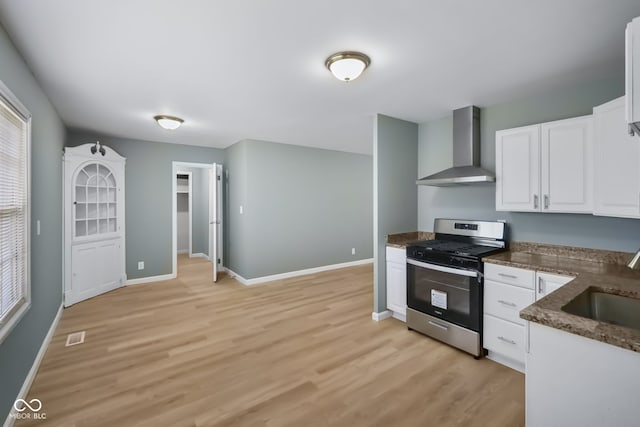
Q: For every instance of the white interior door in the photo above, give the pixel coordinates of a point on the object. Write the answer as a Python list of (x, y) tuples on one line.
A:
[(214, 221)]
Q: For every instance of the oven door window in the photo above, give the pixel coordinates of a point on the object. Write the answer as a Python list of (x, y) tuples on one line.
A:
[(447, 293)]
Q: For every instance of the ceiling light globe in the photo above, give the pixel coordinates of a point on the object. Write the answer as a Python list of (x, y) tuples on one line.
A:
[(347, 66), (169, 122)]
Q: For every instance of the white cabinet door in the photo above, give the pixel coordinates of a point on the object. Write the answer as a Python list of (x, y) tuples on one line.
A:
[(566, 167), (96, 269), (547, 283), (397, 288), (397, 282), (518, 169), (617, 163)]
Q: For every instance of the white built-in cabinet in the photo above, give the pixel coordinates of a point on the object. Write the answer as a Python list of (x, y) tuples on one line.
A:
[(508, 290), (94, 223), (396, 263), (546, 167), (617, 163)]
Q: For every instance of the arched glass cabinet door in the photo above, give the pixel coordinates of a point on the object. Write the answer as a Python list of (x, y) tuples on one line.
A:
[(95, 202)]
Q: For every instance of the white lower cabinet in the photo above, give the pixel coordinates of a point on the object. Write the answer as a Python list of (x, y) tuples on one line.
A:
[(547, 283), (397, 282), (576, 381), (508, 290), (507, 340)]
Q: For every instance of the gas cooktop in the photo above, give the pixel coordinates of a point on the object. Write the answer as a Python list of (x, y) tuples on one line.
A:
[(456, 248)]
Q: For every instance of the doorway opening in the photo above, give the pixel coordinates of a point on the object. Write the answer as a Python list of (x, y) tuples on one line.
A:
[(197, 213)]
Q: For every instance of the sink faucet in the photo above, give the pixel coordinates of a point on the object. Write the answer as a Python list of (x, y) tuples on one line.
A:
[(635, 262)]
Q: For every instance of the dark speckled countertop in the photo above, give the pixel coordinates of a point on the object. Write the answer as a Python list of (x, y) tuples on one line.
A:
[(603, 271), (400, 240)]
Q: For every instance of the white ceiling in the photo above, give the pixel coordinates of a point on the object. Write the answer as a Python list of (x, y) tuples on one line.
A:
[(247, 69)]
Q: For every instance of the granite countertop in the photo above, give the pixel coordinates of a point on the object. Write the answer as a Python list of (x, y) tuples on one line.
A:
[(400, 240), (600, 270)]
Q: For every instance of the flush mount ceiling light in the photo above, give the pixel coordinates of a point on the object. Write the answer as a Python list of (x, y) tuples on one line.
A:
[(347, 66), (168, 122)]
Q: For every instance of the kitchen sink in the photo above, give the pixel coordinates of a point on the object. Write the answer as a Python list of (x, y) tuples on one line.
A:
[(604, 307)]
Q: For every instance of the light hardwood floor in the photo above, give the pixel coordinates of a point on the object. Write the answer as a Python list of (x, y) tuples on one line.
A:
[(296, 352)]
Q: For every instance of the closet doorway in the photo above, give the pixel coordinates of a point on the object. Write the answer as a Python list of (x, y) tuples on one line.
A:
[(197, 213), (184, 212)]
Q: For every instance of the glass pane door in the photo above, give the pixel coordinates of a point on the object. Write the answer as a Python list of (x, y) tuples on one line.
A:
[(95, 201)]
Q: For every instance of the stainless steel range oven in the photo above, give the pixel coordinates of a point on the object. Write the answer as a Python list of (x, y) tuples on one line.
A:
[(444, 281)]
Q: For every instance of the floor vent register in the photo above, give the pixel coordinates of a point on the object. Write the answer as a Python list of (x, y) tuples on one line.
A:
[(75, 339)]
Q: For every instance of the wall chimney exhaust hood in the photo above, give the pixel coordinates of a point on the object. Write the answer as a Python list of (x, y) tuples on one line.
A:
[(466, 153)]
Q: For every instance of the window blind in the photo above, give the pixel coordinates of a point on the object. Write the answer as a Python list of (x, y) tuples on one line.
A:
[(14, 211)]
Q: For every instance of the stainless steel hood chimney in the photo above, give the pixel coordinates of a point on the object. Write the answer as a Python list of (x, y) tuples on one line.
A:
[(466, 153)]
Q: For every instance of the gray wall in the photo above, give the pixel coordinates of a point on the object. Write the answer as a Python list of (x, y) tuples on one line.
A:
[(395, 158), (148, 198), (303, 208), (479, 202), (19, 349), (235, 192)]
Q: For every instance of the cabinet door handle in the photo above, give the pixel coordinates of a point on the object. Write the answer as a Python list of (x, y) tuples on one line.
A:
[(438, 325), (546, 201), (510, 304), (507, 340), (510, 276), (535, 201), (539, 285)]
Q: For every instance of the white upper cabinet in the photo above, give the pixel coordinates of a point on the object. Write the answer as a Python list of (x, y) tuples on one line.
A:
[(632, 75), (546, 167), (518, 169), (617, 163), (566, 171)]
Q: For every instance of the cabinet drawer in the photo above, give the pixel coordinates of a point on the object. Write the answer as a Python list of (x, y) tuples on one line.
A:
[(510, 275), (505, 338), (398, 255), (506, 301)]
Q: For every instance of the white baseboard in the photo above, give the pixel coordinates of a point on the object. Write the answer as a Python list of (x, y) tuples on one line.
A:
[(263, 279), (150, 279), (199, 255), (401, 317), (506, 361), (183, 251), (28, 381), (381, 315)]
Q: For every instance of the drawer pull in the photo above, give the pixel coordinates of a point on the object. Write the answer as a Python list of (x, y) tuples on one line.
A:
[(437, 325), (507, 340), (510, 304), (510, 276)]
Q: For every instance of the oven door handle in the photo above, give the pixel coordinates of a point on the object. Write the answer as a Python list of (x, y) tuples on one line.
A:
[(456, 271)]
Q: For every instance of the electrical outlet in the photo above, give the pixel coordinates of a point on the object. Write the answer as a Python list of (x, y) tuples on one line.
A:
[(140, 265), (353, 251), (241, 210)]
